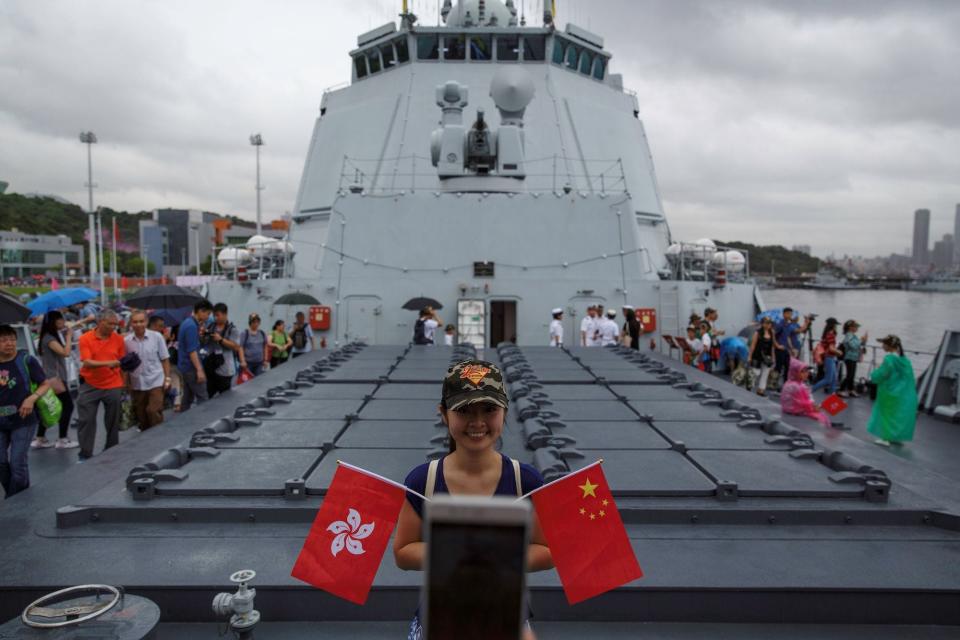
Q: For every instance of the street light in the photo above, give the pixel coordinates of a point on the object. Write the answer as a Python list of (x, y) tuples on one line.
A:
[(257, 141), (89, 138)]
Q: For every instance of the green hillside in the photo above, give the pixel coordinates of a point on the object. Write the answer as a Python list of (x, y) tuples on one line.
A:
[(49, 217), (770, 258)]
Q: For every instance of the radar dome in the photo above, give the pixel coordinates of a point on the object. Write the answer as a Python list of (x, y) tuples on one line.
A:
[(466, 13), (512, 89)]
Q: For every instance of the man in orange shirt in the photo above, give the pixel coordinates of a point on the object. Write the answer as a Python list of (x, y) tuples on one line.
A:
[(100, 382)]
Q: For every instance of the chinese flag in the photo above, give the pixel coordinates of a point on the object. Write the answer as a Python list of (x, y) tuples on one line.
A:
[(346, 543), (586, 536), (833, 404)]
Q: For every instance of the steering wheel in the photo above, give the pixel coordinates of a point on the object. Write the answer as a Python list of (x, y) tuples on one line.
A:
[(75, 614)]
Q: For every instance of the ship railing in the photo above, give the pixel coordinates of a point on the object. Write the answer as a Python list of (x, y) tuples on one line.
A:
[(554, 174), (708, 263)]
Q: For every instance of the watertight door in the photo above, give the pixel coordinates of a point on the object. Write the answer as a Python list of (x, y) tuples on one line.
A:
[(503, 321), (362, 315)]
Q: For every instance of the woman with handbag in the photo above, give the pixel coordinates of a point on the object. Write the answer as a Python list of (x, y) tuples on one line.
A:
[(54, 346), (761, 354), (279, 344)]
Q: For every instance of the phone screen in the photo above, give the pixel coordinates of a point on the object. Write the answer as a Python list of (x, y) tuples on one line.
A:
[(476, 581)]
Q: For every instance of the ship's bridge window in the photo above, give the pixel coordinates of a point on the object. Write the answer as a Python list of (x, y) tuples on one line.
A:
[(559, 49), (508, 48), (373, 60), (360, 64), (573, 56), (534, 48), (454, 47), (386, 50), (586, 62), (428, 47), (403, 53), (599, 67), (481, 47)]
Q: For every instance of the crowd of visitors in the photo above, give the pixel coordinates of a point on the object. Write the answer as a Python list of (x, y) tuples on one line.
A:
[(91, 370)]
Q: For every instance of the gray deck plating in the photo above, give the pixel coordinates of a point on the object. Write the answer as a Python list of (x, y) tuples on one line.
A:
[(733, 518)]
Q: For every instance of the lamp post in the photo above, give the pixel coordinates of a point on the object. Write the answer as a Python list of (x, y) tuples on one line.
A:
[(103, 285), (89, 138), (146, 257), (257, 141)]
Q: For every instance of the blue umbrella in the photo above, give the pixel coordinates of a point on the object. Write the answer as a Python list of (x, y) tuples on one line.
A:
[(172, 317), (60, 298)]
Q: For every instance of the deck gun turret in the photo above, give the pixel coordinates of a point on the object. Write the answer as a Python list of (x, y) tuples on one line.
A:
[(480, 150)]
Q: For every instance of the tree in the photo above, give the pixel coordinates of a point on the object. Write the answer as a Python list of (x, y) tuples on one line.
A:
[(134, 267)]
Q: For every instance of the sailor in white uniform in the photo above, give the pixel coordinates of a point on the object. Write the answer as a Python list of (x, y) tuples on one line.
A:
[(608, 329), (588, 328), (556, 328)]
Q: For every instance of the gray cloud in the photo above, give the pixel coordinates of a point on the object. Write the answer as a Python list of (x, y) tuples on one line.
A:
[(814, 122)]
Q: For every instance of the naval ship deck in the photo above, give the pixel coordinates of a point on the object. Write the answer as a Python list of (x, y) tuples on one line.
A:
[(742, 522)]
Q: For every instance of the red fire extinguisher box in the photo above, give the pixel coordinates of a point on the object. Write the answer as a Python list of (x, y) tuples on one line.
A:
[(648, 318), (320, 318)]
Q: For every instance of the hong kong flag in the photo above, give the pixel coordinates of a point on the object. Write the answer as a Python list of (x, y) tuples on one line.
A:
[(346, 543), (833, 404), (586, 536)]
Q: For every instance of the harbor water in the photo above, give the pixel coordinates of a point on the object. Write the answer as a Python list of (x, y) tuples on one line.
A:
[(918, 317)]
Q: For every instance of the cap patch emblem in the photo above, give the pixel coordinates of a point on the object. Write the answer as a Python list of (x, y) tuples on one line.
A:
[(474, 373)]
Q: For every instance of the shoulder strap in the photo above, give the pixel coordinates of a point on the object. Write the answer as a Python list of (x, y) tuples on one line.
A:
[(431, 478), (24, 368), (244, 337), (516, 477)]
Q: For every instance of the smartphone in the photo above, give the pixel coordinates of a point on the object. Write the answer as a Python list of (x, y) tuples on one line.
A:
[(475, 568)]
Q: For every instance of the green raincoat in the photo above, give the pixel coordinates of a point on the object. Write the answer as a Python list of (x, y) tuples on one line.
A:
[(895, 411)]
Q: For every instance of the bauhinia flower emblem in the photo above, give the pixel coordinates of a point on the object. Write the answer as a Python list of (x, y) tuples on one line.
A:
[(349, 534)]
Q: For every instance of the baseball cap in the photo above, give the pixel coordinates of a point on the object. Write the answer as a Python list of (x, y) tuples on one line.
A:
[(473, 381)]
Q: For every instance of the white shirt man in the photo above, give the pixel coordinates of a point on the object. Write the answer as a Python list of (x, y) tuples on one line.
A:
[(588, 328), (556, 328), (608, 329), (430, 329), (149, 380)]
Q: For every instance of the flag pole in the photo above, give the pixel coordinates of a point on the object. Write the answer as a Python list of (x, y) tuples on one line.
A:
[(387, 480), (553, 482)]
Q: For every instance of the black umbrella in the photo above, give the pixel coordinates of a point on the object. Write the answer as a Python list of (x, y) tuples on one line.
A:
[(11, 311), (163, 296), (415, 304), (296, 297)]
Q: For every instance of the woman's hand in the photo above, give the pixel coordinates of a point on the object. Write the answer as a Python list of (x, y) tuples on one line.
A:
[(27, 407)]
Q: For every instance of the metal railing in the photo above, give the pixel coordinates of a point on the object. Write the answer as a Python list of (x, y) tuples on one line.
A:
[(698, 262), (551, 174)]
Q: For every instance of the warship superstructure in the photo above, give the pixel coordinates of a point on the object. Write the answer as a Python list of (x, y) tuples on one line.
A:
[(500, 169)]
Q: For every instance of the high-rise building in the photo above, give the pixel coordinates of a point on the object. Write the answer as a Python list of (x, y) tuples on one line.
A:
[(942, 256), (956, 238), (921, 237)]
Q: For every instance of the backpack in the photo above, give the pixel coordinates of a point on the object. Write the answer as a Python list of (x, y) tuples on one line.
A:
[(419, 332), (299, 337)]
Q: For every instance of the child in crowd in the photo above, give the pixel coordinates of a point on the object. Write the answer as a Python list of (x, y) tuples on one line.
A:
[(796, 398), (851, 347), (449, 334)]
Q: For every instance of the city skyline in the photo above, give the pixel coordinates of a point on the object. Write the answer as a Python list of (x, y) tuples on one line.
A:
[(771, 123)]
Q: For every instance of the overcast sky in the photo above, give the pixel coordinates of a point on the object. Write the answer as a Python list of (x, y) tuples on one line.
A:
[(816, 122)]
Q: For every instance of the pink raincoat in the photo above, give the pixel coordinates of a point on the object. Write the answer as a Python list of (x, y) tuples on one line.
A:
[(796, 398)]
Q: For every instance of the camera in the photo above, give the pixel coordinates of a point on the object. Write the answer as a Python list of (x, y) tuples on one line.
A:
[(812, 316)]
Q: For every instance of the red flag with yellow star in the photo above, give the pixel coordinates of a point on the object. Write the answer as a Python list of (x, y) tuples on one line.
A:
[(587, 538)]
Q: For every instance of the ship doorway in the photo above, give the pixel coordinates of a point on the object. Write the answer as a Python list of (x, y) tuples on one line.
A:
[(362, 314), (503, 321)]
